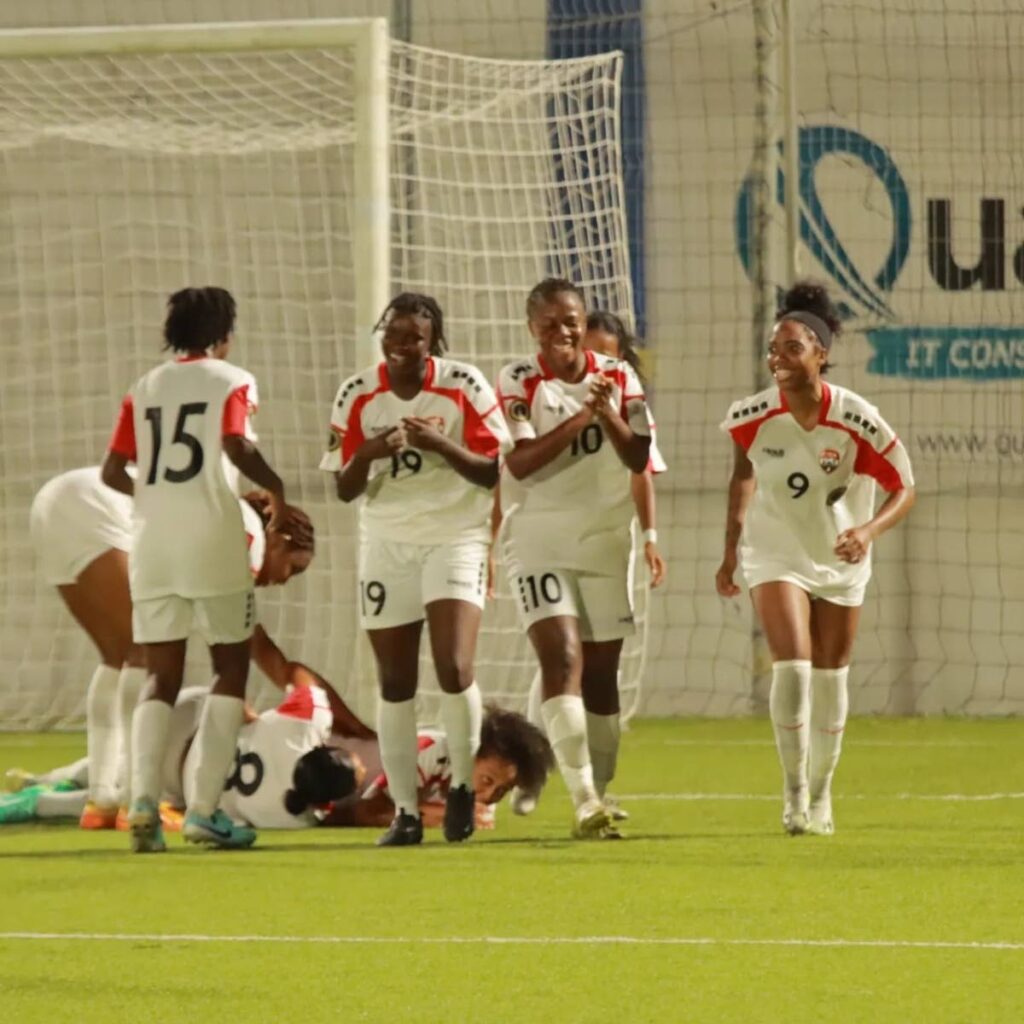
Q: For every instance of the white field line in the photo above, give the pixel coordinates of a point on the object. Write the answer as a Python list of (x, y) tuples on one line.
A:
[(937, 797), (505, 940), (894, 744)]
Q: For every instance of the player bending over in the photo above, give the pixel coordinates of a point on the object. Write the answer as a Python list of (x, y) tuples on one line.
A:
[(417, 437), (188, 563), (801, 518)]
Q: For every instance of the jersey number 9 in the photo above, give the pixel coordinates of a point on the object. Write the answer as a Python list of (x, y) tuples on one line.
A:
[(798, 484)]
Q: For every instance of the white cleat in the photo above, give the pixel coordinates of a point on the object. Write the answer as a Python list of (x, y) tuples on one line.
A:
[(523, 801), (592, 821), (819, 818), (794, 811), (614, 809), (795, 822)]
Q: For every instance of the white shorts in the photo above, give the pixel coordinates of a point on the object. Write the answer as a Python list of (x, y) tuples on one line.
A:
[(222, 619), (849, 595), (75, 518), (603, 604), (397, 581)]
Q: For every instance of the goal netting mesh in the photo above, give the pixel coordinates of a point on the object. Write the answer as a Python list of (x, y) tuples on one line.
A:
[(126, 177)]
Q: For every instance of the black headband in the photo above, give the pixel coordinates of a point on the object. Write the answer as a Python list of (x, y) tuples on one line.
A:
[(815, 323)]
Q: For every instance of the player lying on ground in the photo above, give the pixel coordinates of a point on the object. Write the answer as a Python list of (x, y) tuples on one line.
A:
[(81, 531), (807, 458), (416, 437), (292, 771), (581, 426), (188, 563)]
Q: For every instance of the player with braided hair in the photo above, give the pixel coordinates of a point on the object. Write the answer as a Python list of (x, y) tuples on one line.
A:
[(416, 437), (801, 519)]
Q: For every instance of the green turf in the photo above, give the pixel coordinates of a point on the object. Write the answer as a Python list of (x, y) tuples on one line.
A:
[(898, 870)]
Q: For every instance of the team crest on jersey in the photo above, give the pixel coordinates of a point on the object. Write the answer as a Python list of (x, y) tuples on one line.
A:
[(829, 459), (519, 411)]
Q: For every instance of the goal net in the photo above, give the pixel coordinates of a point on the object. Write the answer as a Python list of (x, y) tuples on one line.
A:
[(144, 160)]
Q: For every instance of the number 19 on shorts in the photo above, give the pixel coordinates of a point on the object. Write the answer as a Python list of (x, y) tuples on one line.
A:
[(535, 590)]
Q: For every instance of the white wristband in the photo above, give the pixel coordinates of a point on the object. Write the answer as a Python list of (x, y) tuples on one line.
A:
[(650, 536)]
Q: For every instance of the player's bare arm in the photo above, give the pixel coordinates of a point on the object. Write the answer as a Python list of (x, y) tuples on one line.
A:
[(115, 473), (351, 481), (535, 453), (741, 488), (246, 457), (852, 545), (632, 449), (642, 486), (481, 470)]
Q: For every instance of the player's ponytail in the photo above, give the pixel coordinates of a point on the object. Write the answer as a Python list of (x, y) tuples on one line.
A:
[(603, 320), (321, 775)]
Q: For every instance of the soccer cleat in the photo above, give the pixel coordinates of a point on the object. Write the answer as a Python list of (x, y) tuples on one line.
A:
[(170, 817), (16, 779), (819, 818), (615, 812), (16, 808), (217, 830), (144, 825), (523, 801), (97, 818), (458, 814), (591, 820), (794, 822), (405, 830)]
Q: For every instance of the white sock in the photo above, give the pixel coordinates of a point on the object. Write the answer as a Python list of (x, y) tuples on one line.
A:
[(149, 742), (462, 716), (129, 687), (829, 706), (215, 743), (61, 805), (76, 772), (101, 735), (533, 702), (603, 733), (789, 703), (396, 733), (565, 722)]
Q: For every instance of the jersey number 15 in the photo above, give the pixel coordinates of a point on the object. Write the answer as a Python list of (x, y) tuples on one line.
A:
[(155, 415)]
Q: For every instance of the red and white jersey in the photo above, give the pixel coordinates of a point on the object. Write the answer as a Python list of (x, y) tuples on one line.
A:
[(188, 538), (415, 497), (255, 537), (433, 766), (265, 759), (813, 484), (575, 512)]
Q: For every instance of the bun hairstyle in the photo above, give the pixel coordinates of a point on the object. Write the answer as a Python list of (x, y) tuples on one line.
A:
[(321, 775), (807, 301)]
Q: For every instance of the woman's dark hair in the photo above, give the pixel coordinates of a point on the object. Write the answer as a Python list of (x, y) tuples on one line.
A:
[(198, 318), (603, 320), (415, 304), (298, 526), (809, 296), (321, 775), (547, 289), (508, 735)]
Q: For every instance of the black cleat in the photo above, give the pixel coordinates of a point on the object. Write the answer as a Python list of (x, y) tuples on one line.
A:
[(405, 830), (459, 812)]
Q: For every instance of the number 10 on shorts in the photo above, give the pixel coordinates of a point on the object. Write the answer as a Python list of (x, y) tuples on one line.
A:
[(534, 589)]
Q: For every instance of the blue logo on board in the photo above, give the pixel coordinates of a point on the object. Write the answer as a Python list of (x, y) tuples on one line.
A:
[(969, 352)]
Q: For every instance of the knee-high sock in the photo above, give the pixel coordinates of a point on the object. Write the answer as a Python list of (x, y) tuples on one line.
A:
[(789, 703), (399, 752), (829, 706), (534, 700), (603, 734), (101, 735), (215, 742), (566, 724), (150, 722), (129, 687), (61, 805), (462, 717)]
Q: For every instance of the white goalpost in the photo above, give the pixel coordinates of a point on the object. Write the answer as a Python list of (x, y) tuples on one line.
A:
[(314, 168)]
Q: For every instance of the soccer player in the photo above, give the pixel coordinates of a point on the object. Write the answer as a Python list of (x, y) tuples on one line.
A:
[(609, 336), (801, 518), (417, 436), (188, 563), (580, 424)]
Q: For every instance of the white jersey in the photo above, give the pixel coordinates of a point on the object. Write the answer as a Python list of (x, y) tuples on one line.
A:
[(432, 765), (415, 497), (267, 752), (188, 538), (575, 512), (75, 518), (812, 485), (255, 537)]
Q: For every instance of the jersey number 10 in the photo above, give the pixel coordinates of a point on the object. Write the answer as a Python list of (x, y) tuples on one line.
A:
[(155, 415)]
